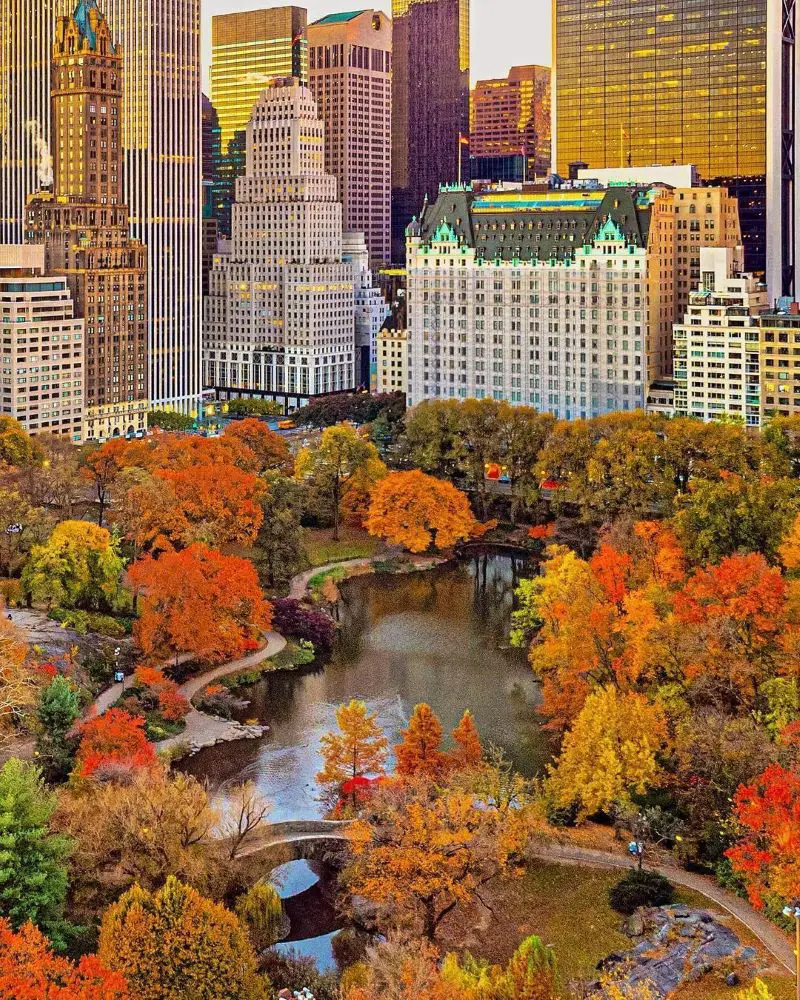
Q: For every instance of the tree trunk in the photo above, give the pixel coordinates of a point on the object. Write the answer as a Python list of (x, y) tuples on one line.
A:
[(336, 509)]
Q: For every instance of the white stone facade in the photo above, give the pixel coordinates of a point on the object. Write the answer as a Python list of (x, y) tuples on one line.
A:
[(279, 319), (41, 346), (716, 348), (565, 336)]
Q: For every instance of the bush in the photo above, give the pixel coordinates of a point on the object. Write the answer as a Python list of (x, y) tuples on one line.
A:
[(11, 593), (640, 888), (292, 619), (91, 621), (218, 700)]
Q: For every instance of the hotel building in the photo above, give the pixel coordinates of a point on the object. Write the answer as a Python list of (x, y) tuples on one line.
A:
[(563, 300), (510, 126), (41, 346), (430, 104), (350, 76), (279, 315), (716, 347), (84, 227)]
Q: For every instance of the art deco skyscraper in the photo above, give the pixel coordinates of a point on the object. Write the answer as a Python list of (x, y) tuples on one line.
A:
[(83, 224), (350, 75), (249, 49), (161, 166), (430, 104), (279, 321), (663, 81)]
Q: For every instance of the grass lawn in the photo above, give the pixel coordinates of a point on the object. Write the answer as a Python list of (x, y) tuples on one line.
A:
[(354, 543), (567, 906)]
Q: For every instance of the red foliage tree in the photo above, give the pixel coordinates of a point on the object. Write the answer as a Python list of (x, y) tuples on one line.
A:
[(197, 602), (113, 741), (30, 971), (768, 856), (218, 503), (270, 449)]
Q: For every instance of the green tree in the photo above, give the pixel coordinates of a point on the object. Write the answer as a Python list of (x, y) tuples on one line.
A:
[(169, 421), (279, 544), (432, 439), (720, 517), (77, 567), (33, 871), (260, 910), (56, 712), (340, 454), (176, 943), (21, 527), (479, 427), (523, 434)]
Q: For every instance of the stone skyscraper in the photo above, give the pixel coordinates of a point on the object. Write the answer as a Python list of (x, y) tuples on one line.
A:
[(279, 321), (84, 226), (430, 104), (350, 75)]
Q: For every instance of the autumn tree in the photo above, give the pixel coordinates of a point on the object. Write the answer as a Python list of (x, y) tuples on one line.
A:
[(260, 910), (479, 429), (139, 831), (357, 750), (270, 449), (468, 750), (693, 450), (176, 943), (197, 602), (56, 711), (30, 971), (33, 875), (279, 544), (18, 680), (147, 512), (529, 974), (610, 752), (328, 467), (22, 525), (113, 743), (420, 752), (77, 567), (522, 435), (767, 857), (357, 496), (17, 447), (101, 466), (419, 512), (424, 851), (432, 437), (718, 518), (219, 504), (54, 482)]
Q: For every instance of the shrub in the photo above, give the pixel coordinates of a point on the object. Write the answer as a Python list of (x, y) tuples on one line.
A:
[(640, 888), (287, 969), (218, 700), (292, 619), (90, 621)]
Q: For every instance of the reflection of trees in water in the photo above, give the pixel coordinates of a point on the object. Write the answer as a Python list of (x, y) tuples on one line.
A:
[(274, 697), (495, 578)]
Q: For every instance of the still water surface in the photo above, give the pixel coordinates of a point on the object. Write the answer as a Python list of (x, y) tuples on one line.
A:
[(438, 636)]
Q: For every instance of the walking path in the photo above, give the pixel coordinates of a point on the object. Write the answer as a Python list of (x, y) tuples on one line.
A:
[(771, 937), (298, 585)]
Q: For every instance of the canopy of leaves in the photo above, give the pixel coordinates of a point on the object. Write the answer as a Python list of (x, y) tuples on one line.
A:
[(113, 743), (419, 512), (269, 448), (197, 602), (176, 943), (357, 408), (357, 750)]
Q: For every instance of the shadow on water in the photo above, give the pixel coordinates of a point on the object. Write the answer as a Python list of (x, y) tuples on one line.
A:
[(438, 636)]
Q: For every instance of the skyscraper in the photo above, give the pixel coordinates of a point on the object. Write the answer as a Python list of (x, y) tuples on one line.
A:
[(665, 81), (249, 49), (430, 104), (83, 224), (279, 320), (350, 75), (510, 121)]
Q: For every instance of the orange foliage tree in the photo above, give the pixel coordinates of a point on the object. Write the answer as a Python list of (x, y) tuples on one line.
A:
[(197, 602), (219, 504), (270, 449), (468, 750), (768, 856), (419, 512), (30, 971), (420, 751), (111, 743), (101, 468)]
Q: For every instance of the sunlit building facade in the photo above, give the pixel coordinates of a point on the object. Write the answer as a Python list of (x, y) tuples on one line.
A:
[(279, 320), (510, 118), (83, 224), (350, 76), (430, 104), (248, 50), (683, 81)]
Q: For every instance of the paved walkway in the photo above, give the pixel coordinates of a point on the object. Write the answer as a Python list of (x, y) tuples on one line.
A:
[(298, 585), (771, 937)]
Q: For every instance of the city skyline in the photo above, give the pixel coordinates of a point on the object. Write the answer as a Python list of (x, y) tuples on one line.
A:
[(498, 51)]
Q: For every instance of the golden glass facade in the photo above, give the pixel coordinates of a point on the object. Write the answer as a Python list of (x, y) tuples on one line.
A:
[(247, 51), (657, 81)]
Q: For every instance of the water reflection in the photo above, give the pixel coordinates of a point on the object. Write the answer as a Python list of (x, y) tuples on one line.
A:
[(436, 636)]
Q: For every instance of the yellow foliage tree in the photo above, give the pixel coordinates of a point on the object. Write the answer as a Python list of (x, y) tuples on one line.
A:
[(419, 512), (18, 681), (610, 751), (176, 943), (357, 750)]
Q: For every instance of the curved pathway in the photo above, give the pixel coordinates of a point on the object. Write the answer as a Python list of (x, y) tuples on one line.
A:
[(771, 937), (298, 585)]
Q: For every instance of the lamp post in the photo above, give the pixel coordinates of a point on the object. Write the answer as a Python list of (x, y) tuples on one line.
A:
[(793, 911), (636, 850), (119, 675)]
